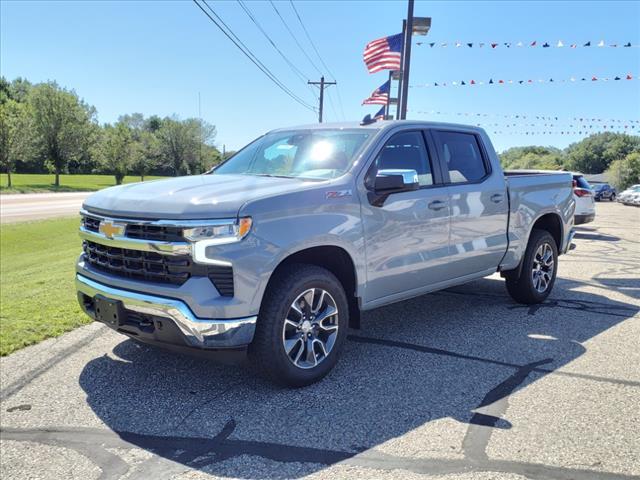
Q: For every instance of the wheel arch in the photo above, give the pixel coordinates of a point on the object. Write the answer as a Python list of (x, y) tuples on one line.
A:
[(336, 260), (552, 223)]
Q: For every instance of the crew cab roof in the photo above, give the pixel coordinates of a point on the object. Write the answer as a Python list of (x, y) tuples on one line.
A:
[(379, 125)]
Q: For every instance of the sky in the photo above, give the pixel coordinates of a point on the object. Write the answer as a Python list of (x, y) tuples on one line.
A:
[(159, 57)]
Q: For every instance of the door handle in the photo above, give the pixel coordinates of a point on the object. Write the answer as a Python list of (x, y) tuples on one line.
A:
[(437, 205), (497, 197)]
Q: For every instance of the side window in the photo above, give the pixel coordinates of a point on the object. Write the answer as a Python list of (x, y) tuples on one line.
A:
[(461, 155), (406, 151)]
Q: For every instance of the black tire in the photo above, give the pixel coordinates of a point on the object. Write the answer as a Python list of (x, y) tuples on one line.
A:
[(521, 288), (267, 351), (613, 198)]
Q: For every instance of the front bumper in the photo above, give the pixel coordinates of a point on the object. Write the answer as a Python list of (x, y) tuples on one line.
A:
[(165, 321)]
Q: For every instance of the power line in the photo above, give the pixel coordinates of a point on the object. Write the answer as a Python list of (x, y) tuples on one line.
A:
[(295, 39), (295, 69), (313, 45), (248, 53)]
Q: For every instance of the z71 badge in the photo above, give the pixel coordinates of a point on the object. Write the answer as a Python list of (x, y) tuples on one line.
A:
[(338, 194)]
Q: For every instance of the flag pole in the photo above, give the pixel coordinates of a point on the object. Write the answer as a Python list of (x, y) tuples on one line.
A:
[(406, 60), (401, 71), (386, 108)]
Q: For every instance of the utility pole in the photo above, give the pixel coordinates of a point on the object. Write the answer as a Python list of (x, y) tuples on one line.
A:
[(323, 85)]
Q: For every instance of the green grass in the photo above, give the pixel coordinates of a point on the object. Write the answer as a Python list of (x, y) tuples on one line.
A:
[(37, 293), (31, 183)]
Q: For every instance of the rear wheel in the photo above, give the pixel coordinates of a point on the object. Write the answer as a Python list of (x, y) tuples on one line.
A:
[(539, 268), (301, 327)]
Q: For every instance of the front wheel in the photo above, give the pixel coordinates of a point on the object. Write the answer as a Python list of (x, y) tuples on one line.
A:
[(539, 268), (301, 327)]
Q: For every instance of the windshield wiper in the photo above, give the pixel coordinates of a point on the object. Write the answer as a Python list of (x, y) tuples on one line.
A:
[(269, 175)]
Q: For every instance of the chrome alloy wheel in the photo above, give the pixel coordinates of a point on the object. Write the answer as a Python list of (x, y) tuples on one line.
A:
[(542, 271), (310, 328)]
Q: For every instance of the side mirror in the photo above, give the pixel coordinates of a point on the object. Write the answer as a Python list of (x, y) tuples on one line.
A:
[(390, 181), (396, 180)]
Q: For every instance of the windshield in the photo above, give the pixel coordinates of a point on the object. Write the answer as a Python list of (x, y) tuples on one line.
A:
[(312, 154)]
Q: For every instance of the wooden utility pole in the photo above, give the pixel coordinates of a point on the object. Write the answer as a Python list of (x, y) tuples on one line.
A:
[(322, 85)]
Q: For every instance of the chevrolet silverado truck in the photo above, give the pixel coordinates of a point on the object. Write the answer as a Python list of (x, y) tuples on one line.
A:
[(273, 254)]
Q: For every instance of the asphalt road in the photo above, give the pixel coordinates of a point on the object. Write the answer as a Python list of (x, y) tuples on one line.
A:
[(460, 384), (36, 206)]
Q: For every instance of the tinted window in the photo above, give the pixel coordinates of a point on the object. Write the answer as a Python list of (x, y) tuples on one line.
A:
[(406, 151), (461, 155), (581, 182)]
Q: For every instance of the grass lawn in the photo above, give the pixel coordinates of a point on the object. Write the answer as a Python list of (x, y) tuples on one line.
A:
[(28, 182), (37, 294)]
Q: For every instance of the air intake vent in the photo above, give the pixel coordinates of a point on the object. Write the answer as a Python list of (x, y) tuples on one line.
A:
[(222, 279)]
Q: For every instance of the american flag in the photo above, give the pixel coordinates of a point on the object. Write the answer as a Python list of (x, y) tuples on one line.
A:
[(379, 115), (380, 95), (383, 53)]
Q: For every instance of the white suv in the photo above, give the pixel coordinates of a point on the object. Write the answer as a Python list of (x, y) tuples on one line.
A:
[(585, 200)]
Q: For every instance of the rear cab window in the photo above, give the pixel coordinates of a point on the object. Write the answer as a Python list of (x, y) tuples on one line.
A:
[(461, 156)]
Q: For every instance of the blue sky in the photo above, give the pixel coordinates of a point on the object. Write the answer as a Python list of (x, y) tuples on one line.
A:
[(155, 57)]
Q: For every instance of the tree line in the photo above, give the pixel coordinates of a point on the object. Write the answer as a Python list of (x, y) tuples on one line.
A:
[(615, 154), (45, 128)]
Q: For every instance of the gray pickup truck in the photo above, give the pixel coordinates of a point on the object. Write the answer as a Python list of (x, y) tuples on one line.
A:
[(274, 253)]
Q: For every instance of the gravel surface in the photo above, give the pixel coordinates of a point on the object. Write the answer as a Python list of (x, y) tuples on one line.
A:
[(461, 384)]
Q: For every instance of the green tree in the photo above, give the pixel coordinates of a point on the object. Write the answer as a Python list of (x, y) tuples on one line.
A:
[(181, 144), (595, 153), (625, 172), (146, 154), (14, 135), (115, 150), (532, 157), (63, 125)]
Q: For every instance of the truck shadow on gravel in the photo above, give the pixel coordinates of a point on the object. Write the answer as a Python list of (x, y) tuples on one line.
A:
[(457, 354)]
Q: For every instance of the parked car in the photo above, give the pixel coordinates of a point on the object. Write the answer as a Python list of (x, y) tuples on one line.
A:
[(626, 196), (585, 200), (635, 199), (604, 191), (275, 252)]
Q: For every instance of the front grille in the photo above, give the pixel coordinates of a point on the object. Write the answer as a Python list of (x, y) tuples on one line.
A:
[(153, 267), (154, 232), (92, 224), (139, 265)]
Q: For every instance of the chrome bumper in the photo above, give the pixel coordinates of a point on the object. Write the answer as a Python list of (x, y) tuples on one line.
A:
[(198, 332)]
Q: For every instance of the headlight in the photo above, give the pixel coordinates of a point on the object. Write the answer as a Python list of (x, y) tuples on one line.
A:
[(221, 232)]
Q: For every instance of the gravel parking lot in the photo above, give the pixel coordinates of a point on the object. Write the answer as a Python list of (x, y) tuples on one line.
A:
[(460, 384)]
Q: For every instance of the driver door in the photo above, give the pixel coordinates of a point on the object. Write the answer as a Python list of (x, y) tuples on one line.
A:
[(407, 236)]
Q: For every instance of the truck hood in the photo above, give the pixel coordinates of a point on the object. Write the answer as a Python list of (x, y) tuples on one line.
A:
[(188, 198)]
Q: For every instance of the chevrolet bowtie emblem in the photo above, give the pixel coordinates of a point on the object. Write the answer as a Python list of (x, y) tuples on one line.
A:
[(110, 229)]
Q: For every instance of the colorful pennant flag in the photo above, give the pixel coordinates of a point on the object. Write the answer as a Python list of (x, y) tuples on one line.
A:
[(491, 81), (534, 43)]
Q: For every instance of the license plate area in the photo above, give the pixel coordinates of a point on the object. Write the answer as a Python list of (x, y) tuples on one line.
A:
[(109, 311)]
